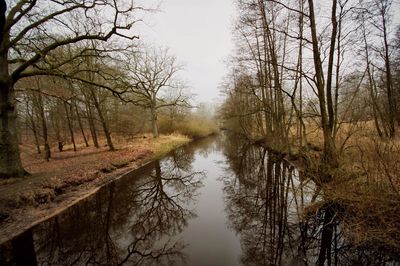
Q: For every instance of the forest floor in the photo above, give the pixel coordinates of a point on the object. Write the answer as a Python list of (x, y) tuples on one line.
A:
[(70, 176)]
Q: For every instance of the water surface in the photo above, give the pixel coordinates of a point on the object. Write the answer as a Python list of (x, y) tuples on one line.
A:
[(218, 201)]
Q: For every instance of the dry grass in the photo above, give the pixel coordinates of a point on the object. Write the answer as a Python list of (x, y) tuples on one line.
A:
[(164, 145), (372, 212), (193, 126), (196, 128), (367, 184)]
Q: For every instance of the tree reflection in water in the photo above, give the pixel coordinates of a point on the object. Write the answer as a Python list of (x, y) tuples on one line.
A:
[(265, 202), (140, 218), (133, 221)]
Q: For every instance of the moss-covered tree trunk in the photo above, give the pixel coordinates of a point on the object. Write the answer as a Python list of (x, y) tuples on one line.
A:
[(10, 161)]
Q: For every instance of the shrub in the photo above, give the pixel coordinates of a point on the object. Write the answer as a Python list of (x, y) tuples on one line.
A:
[(193, 126), (196, 127)]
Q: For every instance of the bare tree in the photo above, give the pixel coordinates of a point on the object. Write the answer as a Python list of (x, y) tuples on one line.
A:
[(27, 40), (41, 109), (324, 83), (380, 19), (286, 50), (383, 7), (31, 115), (103, 119), (68, 114), (154, 84), (78, 116)]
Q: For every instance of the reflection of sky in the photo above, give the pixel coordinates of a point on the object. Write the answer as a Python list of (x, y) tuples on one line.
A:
[(211, 241), (228, 222), (300, 192)]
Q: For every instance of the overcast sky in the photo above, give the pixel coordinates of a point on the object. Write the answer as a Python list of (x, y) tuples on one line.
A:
[(198, 33)]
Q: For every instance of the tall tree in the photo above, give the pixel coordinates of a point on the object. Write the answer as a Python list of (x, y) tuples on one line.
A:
[(31, 117), (324, 84), (103, 120), (78, 116), (383, 8), (153, 82), (27, 40)]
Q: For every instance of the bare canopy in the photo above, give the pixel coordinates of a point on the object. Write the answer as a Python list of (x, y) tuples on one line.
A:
[(30, 32), (153, 82)]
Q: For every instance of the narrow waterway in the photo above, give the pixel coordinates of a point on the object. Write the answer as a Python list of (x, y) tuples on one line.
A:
[(218, 201)]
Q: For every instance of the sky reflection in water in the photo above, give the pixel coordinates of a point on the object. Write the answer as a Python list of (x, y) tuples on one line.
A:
[(219, 201)]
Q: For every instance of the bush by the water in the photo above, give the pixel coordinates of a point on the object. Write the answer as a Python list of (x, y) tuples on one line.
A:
[(196, 127), (193, 126)]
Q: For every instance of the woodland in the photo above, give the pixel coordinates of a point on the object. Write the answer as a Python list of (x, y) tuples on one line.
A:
[(316, 81), (83, 100), (319, 81), (75, 70)]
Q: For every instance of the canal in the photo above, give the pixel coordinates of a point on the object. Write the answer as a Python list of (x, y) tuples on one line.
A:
[(217, 201)]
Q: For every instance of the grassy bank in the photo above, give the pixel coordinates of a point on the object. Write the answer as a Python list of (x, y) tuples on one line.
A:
[(70, 175), (366, 184)]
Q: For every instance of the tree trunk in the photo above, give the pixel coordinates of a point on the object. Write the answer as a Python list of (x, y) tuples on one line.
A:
[(391, 100), (70, 127), (329, 100), (102, 120), (302, 129), (92, 126), (329, 157), (47, 152), (24, 249), (55, 119), (31, 116), (89, 114), (375, 107), (80, 125), (154, 121), (326, 237), (10, 161), (35, 135)]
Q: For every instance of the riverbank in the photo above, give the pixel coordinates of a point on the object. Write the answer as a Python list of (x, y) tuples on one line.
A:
[(365, 188), (71, 176)]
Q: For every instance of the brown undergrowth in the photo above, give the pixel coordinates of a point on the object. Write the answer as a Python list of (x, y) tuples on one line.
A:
[(366, 185), (69, 172)]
